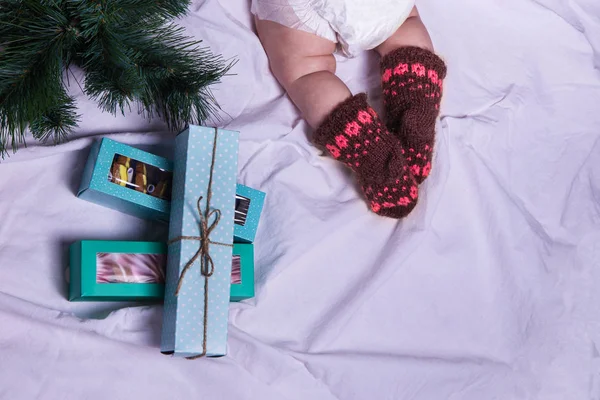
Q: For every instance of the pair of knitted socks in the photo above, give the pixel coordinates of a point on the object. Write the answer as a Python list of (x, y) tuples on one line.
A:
[(390, 160)]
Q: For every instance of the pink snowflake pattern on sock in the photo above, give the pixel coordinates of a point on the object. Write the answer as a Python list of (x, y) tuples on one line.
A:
[(375, 206), (352, 128), (415, 169), (401, 69), (418, 69), (334, 151), (433, 76), (342, 141), (414, 192), (364, 117), (404, 201), (426, 170), (387, 75)]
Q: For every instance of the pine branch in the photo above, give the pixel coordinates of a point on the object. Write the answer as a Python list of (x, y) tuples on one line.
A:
[(30, 68), (130, 52), (58, 121), (166, 73), (178, 73)]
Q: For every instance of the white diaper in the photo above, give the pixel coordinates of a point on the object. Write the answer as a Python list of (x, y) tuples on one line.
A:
[(357, 25)]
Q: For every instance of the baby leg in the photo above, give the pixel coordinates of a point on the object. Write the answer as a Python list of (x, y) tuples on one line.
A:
[(304, 65), (411, 33), (345, 125), (412, 77)]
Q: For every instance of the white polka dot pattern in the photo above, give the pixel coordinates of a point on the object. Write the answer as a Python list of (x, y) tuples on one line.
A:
[(247, 232), (183, 315)]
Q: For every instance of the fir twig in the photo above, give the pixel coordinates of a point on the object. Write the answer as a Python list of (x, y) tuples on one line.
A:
[(131, 54)]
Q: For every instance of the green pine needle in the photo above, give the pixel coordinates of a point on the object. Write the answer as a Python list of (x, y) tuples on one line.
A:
[(131, 53), (57, 122)]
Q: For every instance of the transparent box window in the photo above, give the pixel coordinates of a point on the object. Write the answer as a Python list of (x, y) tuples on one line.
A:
[(130, 268), (141, 177)]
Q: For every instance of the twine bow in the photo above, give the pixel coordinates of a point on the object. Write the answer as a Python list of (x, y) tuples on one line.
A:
[(207, 266)]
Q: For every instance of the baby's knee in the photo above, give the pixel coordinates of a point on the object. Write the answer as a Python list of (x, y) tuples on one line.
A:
[(289, 70)]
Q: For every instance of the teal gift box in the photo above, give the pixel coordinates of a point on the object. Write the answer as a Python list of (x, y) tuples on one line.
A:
[(133, 271), (101, 270), (248, 207), (200, 243), (127, 179), (242, 272)]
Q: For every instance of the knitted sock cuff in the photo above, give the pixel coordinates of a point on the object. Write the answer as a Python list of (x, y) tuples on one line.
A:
[(413, 56), (339, 117)]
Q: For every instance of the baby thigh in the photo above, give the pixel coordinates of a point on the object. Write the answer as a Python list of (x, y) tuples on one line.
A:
[(304, 65), (411, 33)]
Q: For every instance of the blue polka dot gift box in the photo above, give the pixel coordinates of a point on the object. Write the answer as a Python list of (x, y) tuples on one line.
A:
[(127, 179), (196, 305)]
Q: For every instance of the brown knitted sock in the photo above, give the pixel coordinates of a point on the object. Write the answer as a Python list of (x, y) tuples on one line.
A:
[(354, 135), (412, 88)]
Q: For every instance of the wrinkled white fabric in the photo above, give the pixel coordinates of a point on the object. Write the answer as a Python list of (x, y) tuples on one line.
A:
[(357, 25), (488, 290)]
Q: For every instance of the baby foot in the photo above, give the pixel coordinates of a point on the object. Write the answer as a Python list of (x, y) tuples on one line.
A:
[(412, 80), (353, 134)]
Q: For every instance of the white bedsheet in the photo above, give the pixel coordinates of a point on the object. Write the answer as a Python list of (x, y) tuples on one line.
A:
[(489, 290)]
